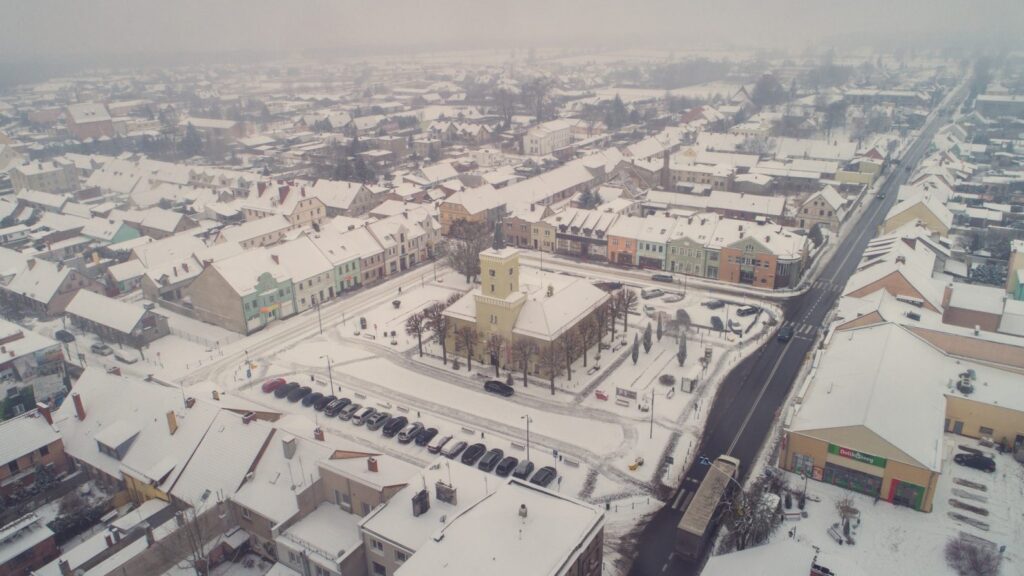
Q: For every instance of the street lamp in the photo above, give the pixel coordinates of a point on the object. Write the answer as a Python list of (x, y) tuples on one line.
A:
[(528, 420), (329, 375)]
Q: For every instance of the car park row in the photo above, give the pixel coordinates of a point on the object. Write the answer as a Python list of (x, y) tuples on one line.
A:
[(399, 427)]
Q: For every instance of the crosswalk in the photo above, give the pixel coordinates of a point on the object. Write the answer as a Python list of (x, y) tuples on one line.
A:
[(801, 328), (827, 285)]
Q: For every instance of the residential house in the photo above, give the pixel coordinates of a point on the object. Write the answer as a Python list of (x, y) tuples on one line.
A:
[(242, 293), (257, 233), (30, 443), (115, 321), (923, 208), (483, 204), (53, 176), (312, 273), (31, 369), (825, 207), (582, 233), (44, 289), (89, 121), (343, 198)]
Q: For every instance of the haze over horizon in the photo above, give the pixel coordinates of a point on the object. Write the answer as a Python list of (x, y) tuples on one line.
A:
[(118, 30)]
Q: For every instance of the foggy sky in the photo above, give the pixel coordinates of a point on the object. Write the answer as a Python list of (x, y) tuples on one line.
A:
[(64, 28)]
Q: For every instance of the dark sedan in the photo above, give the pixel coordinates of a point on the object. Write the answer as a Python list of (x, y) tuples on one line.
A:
[(333, 408), (282, 391), (506, 466), (426, 436), (311, 399), (491, 459), (394, 426), (323, 402), (544, 476), (473, 453)]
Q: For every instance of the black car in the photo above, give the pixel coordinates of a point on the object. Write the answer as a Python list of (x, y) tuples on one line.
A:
[(662, 278), (506, 466), (336, 406), (394, 426), (499, 387), (349, 411), (608, 286), (976, 461), (714, 304), (453, 450), (717, 324), (491, 459), (299, 393), (285, 390), (425, 436), (748, 311), (523, 470), (410, 433), (311, 399), (785, 334), (544, 476), (64, 336), (378, 420), (473, 453), (322, 403)]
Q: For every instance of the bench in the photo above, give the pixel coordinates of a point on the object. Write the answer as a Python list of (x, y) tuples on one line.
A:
[(468, 430), (592, 369), (622, 402), (402, 409), (570, 463), (360, 395), (518, 446), (836, 535)]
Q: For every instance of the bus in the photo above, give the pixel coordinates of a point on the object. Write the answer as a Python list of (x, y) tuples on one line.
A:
[(698, 521)]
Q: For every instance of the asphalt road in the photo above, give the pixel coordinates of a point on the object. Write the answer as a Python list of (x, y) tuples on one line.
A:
[(752, 394)]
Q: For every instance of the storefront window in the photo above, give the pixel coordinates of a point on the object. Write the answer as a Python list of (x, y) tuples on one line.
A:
[(852, 479), (803, 464)]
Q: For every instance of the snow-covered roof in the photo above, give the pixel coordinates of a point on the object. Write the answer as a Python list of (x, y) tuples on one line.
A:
[(256, 229), (336, 194), (88, 112), (780, 557), (126, 270), (887, 380), (120, 316), (168, 249), (493, 537), (327, 534), (24, 434), (929, 202), (39, 280), (301, 258), (977, 298), (277, 480), (547, 317)]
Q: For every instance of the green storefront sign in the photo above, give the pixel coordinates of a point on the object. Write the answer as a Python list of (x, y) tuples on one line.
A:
[(858, 456)]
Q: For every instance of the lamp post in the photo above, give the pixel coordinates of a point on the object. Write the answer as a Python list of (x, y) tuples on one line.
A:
[(330, 376), (528, 420), (319, 319)]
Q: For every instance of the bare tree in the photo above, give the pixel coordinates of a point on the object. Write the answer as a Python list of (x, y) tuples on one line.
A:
[(438, 323), (495, 346), (415, 325), (601, 323), (971, 558), (570, 346), (466, 240), (190, 544), (522, 350), (466, 337), (550, 361), (587, 331), (628, 305), (681, 353), (614, 308), (751, 517)]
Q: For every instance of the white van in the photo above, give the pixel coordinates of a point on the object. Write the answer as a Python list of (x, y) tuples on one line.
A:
[(438, 443)]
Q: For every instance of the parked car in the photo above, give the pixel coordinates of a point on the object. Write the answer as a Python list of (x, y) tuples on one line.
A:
[(394, 426), (976, 461), (544, 476), (717, 324), (64, 336), (713, 304), (601, 395), (101, 349), (363, 415), (311, 399), (285, 390), (672, 298), (785, 334), (662, 278), (748, 311), (425, 436), (271, 385), (506, 466), (648, 293), (491, 459), (333, 408), (473, 453), (453, 449), (523, 470), (378, 420), (126, 356), (299, 393), (349, 411), (410, 432), (608, 286), (322, 403), (649, 310), (499, 387), (438, 443)]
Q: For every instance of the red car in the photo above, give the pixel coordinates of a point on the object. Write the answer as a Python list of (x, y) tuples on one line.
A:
[(271, 385), (601, 395)]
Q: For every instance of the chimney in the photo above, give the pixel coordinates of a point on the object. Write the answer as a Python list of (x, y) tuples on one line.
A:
[(288, 443), (318, 434), (371, 464), (522, 511), (184, 266), (248, 417), (65, 567), (190, 402), (533, 207), (172, 422), (175, 270), (44, 411), (108, 539), (79, 408)]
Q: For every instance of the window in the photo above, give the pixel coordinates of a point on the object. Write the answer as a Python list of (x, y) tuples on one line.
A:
[(401, 556), (494, 318), (321, 571), (293, 557), (377, 545), (379, 570), (490, 272), (343, 500), (13, 466), (366, 508), (985, 431), (245, 513), (44, 450)]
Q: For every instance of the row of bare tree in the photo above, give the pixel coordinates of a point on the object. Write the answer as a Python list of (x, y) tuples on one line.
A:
[(550, 358)]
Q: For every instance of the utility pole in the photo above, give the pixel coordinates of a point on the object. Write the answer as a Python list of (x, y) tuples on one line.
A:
[(319, 319), (528, 420), (652, 413), (330, 376)]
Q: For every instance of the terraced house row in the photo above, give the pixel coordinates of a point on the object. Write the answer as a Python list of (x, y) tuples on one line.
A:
[(707, 245)]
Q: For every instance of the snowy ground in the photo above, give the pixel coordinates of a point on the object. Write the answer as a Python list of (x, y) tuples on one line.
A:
[(896, 540)]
